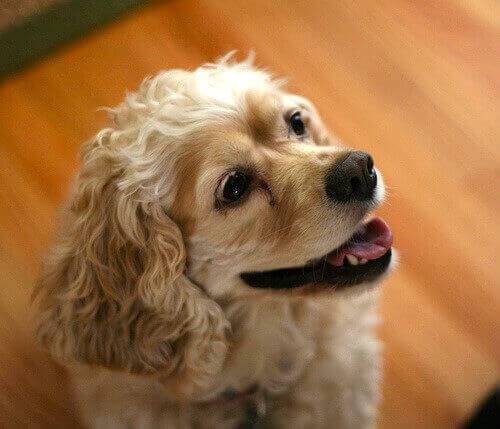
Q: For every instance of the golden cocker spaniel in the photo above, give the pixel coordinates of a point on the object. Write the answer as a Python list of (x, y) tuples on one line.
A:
[(214, 265)]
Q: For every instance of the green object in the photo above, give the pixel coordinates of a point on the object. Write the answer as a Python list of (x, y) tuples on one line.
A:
[(38, 35)]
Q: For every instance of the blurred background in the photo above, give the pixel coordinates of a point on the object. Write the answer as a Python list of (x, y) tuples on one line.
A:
[(415, 83)]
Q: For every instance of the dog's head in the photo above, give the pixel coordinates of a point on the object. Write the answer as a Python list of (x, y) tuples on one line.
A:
[(263, 196), (212, 184)]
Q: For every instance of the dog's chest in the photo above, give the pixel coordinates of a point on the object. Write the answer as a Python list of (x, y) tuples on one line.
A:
[(272, 343)]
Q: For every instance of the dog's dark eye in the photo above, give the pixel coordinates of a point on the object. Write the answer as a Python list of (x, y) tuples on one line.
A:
[(234, 186), (297, 124)]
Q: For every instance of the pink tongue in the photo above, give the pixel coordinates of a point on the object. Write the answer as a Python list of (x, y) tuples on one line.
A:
[(371, 241)]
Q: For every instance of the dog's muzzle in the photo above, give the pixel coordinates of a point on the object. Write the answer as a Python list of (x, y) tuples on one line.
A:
[(363, 258)]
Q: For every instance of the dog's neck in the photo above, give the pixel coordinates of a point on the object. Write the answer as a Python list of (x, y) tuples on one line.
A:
[(272, 336)]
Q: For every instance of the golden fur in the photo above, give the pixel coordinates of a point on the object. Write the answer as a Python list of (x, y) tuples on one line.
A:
[(141, 296)]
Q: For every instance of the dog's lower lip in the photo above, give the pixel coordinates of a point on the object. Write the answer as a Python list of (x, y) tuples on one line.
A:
[(320, 274), (371, 243)]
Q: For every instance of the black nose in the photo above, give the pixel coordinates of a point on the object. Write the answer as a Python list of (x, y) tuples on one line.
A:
[(353, 178)]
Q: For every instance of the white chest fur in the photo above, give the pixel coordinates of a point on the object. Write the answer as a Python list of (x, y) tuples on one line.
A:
[(271, 344), (275, 345)]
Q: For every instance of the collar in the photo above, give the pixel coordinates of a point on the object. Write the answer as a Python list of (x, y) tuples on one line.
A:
[(231, 394), (252, 399)]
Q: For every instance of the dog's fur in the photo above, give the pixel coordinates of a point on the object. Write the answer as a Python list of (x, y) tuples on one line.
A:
[(141, 297)]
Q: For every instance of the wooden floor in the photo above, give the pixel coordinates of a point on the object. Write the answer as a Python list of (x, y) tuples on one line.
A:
[(417, 84)]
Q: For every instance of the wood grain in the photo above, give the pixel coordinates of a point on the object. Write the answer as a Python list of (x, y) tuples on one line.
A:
[(414, 83)]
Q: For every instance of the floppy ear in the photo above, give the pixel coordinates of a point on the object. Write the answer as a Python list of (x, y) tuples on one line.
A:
[(113, 292)]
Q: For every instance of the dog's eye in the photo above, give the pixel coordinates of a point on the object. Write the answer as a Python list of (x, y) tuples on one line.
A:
[(234, 186), (297, 124)]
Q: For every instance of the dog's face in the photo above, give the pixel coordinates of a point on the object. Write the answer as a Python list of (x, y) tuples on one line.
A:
[(260, 191)]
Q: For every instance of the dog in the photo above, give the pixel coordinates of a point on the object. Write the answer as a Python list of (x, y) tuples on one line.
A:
[(215, 265)]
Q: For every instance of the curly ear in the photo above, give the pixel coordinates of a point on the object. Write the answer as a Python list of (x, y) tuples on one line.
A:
[(113, 292)]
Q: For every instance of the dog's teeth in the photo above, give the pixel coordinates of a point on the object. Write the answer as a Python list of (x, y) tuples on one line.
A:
[(363, 261), (353, 260)]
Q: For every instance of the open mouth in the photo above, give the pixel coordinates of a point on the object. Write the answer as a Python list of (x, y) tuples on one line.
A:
[(363, 258)]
